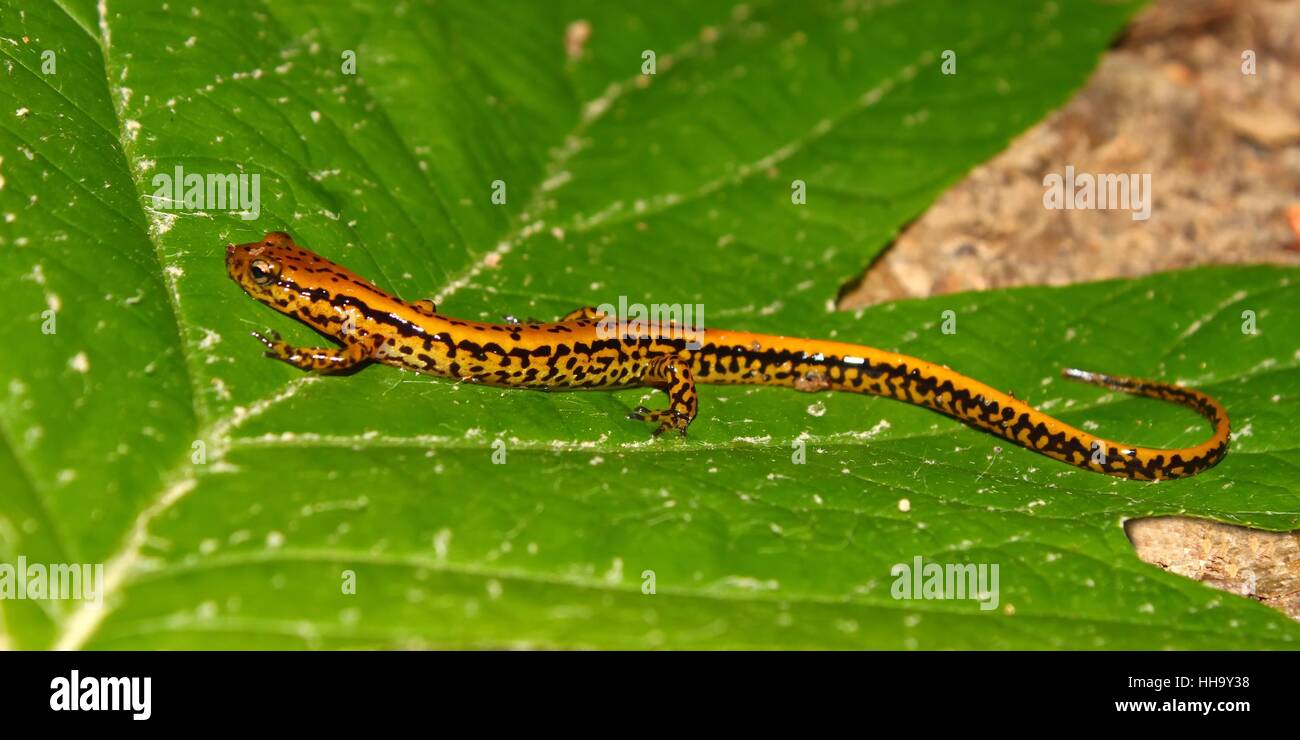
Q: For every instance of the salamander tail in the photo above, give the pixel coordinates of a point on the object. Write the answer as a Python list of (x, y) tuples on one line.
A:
[(1175, 463)]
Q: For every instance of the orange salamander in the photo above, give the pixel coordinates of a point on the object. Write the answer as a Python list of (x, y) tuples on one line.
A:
[(579, 352)]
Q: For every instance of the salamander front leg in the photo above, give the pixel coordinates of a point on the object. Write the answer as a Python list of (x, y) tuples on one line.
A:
[(673, 376), (319, 359)]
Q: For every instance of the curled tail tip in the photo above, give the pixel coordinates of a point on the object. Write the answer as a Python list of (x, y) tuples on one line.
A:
[(1087, 376), (1121, 383), (1077, 374)]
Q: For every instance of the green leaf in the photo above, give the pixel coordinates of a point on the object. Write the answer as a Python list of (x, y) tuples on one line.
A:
[(675, 191)]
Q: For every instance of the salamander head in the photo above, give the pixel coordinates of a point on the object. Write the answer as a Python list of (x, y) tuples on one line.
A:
[(265, 269), (287, 277)]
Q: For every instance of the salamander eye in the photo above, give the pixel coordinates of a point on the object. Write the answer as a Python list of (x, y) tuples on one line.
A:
[(262, 271)]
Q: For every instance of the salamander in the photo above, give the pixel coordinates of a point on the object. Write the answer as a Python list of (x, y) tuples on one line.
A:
[(579, 351)]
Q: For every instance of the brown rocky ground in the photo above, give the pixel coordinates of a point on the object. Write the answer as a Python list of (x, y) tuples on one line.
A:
[(1222, 148), (1223, 151)]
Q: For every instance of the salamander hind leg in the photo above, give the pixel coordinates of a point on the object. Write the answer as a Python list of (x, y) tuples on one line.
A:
[(319, 359), (587, 313), (425, 306), (673, 376)]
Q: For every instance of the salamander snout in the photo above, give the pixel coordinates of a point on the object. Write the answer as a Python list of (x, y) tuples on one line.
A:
[(255, 266), (235, 261)]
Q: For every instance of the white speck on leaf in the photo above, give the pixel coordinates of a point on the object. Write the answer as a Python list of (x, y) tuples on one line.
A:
[(441, 543), (575, 38)]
